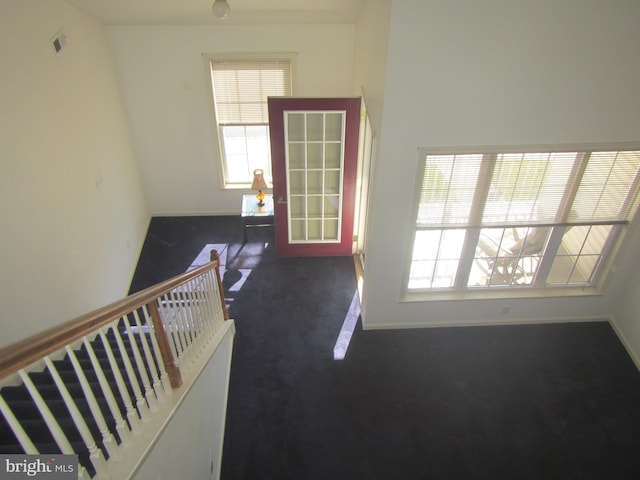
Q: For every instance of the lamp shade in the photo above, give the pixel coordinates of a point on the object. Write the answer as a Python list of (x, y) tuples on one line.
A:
[(258, 180)]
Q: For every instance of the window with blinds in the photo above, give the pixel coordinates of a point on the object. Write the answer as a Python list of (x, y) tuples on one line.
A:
[(529, 219), (241, 87)]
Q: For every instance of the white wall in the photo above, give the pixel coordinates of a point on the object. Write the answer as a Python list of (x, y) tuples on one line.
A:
[(497, 72), (67, 246), (624, 293), (168, 100), (372, 39), (191, 445)]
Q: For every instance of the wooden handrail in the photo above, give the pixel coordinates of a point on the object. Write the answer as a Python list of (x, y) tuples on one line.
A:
[(23, 353)]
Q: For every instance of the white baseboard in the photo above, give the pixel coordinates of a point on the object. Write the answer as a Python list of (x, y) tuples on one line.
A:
[(203, 213), (483, 323), (623, 339)]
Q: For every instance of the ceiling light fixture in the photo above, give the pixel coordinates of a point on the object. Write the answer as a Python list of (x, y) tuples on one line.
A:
[(221, 9)]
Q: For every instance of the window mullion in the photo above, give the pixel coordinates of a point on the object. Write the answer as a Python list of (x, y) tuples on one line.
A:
[(571, 190), (631, 196), (549, 255), (562, 215), (480, 195)]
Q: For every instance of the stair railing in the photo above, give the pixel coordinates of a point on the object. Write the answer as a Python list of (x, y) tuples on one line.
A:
[(94, 381)]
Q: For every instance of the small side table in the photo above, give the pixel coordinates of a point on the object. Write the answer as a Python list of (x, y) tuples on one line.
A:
[(254, 216)]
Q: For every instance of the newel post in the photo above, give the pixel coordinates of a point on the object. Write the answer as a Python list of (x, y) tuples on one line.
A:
[(215, 257), (175, 377)]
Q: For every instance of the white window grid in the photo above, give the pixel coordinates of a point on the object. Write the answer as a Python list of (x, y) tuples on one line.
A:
[(465, 229)]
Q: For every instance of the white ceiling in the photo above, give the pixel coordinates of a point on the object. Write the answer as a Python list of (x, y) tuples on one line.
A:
[(189, 12)]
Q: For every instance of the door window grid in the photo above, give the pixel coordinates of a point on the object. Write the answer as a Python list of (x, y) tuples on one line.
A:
[(517, 220), (314, 165)]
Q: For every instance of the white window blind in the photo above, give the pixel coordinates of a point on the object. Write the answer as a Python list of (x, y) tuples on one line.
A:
[(543, 188), (527, 187), (448, 188), (241, 86), (241, 89), (608, 190)]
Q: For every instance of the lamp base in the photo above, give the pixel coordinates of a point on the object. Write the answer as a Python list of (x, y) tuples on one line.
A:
[(260, 197)]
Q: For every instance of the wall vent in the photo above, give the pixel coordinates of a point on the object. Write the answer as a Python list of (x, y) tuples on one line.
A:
[(58, 41)]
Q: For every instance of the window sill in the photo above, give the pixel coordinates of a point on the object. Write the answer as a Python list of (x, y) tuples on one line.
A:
[(241, 186), (500, 293), (236, 186)]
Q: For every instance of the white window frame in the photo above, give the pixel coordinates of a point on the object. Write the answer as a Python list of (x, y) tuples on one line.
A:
[(538, 287), (225, 182)]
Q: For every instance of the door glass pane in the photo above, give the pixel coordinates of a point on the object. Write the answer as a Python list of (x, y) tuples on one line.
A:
[(297, 205), (332, 154), (315, 127), (315, 230), (333, 127), (314, 155), (331, 206), (331, 230), (295, 127), (296, 155), (297, 230), (297, 183), (314, 206), (332, 182), (314, 182)]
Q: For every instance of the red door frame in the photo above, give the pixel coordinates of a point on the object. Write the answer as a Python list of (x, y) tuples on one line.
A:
[(277, 107)]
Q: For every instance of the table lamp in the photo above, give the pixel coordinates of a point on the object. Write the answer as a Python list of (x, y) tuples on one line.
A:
[(259, 184)]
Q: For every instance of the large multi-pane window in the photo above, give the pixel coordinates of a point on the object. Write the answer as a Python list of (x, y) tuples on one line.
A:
[(241, 87), (522, 219)]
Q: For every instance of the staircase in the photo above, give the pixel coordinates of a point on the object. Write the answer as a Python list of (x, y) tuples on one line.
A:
[(100, 380)]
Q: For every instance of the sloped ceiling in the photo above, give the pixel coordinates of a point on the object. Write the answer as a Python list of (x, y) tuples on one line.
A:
[(190, 12)]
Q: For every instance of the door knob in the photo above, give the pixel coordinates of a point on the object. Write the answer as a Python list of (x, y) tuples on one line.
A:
[(280, 200)]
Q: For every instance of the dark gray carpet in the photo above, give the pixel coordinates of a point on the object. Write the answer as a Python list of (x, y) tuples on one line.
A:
[(513, 402)]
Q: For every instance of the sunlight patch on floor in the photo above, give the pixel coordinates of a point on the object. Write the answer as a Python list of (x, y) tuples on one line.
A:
[(222, 248), (348, 326)]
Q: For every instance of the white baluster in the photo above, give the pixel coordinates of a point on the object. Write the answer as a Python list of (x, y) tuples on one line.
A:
[(172, 327), (214, 301), (164, 377), (149, 357), (54, 427), (82, 473), (149, 394), (195, 314), (121, 425), (177, 318), (205, 307), (191, 307), (95, 454), (25, 442), (132, 415), (107, 437), (133, 379)]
